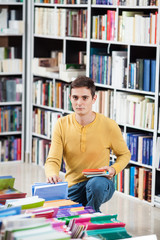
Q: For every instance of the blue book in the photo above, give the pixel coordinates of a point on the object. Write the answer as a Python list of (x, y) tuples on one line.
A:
[(132, 173), (147, 150), (132, 76), (10, 211), (151, 151), (50, 191), (135, 148), (146, 74), (144, 150), (153, 75)]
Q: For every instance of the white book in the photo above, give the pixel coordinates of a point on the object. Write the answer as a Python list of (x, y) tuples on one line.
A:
[(115, 67), (137, 28), (126, 180), (63, 22), (3, 19), (44, 26), (129, 25), (152, 32)]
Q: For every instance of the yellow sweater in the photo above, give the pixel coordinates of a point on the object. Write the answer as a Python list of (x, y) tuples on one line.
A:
[(85, 147)]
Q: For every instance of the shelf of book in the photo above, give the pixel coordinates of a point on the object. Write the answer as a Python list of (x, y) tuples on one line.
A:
[(12, 79), (125, 48)]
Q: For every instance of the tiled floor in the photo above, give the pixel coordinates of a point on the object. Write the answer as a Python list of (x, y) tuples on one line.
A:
[(140, 218)]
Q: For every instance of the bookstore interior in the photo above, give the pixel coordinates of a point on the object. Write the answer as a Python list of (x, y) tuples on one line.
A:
[(44, 46)]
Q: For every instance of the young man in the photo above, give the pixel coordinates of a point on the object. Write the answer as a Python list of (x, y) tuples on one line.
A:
[(84, 139)]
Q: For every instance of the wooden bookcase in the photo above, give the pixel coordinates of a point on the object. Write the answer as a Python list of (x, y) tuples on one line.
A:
[(12, 80), (124, 43)]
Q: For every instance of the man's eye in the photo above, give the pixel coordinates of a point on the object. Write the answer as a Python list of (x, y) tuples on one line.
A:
[(85, 98), (75, 98)]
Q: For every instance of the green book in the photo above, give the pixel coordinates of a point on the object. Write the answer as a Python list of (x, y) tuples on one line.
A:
[(6, 182)]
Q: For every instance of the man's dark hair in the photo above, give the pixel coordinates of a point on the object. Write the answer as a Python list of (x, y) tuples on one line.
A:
[(83, 81)]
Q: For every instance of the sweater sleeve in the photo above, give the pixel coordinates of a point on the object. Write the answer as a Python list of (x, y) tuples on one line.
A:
[(120, 149), (54, 159)]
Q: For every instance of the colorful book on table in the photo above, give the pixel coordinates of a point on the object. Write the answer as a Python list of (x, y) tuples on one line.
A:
[(25, 203), (50, 191), (94, 172), (7, 190)]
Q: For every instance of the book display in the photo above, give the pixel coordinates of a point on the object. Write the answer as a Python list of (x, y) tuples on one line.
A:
[(12, 80), (116, 43)]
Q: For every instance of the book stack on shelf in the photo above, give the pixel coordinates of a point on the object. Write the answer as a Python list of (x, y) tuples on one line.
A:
[(12, 79)]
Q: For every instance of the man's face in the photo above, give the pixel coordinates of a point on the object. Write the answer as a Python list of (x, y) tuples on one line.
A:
[(82, 100)]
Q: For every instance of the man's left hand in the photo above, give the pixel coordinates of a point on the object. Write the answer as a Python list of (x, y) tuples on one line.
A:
[(111, 171)]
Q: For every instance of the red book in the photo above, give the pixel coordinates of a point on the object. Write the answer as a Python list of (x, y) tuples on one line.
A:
[(108, 24), (19, 149)]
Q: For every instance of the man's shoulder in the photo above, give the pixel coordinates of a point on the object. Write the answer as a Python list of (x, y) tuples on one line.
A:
[(66, 118), (105, 119)]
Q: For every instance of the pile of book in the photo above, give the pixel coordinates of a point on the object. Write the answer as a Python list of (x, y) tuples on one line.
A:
[(55, 217), (94, 172), (7, 190)]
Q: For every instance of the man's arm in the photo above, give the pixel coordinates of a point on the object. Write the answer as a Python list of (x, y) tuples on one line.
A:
[(120, 149)]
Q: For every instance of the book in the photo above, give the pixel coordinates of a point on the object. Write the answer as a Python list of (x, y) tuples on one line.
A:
[(153, 75), (25, 203), (94, 172), (146, 74), (50, 191), (6, 182), (7, 190)]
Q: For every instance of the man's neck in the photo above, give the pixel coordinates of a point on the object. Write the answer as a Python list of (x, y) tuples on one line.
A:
[(85, 120)]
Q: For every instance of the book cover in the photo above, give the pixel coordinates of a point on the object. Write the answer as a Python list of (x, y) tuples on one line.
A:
[(146, 74), (153, 74), (50, 191)]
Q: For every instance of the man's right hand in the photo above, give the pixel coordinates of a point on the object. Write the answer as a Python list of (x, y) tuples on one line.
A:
[(54, 179)]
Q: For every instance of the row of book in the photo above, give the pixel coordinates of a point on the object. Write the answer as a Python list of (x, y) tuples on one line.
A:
[(10, 89), (44, 121), (142, 75), (52, 94), (10, 149), (47, 66), (131, 3), (135, 181), (10, 119), (138, 110), (69, 22), (40, 150), (141, 147), (129, 23), (103, 26), (104, 103), (112, 70), (11, 66), (62, 1), (8, 53), (11, 21)]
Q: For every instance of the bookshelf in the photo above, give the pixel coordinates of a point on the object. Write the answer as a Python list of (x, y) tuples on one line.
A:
[(124, 66), (12, 80)]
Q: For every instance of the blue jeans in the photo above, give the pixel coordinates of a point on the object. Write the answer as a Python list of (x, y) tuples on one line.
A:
[(94, 192)]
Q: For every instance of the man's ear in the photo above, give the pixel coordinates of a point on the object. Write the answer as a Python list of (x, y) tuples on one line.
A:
[(94, 98), (70, 97)]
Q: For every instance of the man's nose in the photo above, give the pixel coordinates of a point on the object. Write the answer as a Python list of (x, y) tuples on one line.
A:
[(79, 101)]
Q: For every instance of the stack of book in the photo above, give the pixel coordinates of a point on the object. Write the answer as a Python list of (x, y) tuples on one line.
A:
[(59, 218), (7, 190), (94, 172)]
